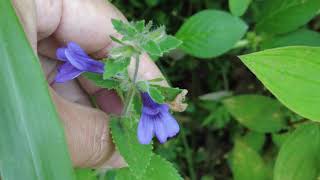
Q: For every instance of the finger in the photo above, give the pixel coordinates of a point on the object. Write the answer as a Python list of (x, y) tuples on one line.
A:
[(27, 15), (85, 128), (88, 22), (87, 133)]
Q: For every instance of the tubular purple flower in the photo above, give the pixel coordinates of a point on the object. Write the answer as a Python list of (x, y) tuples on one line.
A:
[(76, 62), (155, 120)]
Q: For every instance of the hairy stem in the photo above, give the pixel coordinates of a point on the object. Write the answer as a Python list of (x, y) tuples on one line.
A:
[(132, 89)]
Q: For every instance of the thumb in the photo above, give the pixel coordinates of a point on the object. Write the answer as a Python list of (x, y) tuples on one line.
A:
[(87, 134)]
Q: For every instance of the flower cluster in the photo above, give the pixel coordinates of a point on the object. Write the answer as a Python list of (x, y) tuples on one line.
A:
[(76, 62), (155, 118)]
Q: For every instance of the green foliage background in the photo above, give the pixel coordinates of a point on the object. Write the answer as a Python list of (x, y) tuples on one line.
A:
[(234, 126)]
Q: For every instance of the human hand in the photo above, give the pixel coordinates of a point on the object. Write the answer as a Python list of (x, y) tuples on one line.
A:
[(50, 24)]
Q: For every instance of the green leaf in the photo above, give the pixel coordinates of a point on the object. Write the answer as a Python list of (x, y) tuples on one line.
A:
[(152, 48), (210, 33), (216, 96), (281, 16), (156, 95), (86, 174), (152, 3), (123, 28), (113, 67), (238, 7), (258, 113), (169, 43), (143, 86), (124, 134), (116, 40), (298, 158), (125, 174), (139, 25), (32, 141), (158, 34), (217, 118), (100, 82), (125, 51), (254, 140), (301, 37), (169, 93), (247, 163), (291, 74), (279, 139), (160, 169)]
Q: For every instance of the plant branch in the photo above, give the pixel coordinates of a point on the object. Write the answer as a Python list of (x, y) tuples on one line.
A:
[(132, 89)]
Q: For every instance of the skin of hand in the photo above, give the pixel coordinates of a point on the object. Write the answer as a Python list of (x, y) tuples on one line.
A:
[(50, 24)]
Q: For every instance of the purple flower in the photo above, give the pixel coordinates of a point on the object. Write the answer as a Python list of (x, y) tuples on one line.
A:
[(76, 62), (155, 120)]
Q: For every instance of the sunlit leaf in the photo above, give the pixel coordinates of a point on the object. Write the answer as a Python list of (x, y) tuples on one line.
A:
[(281, 16), (210, 33), (298, 158), (301, 37), (100, 82), (291, 74), (124, 135), (112, 67), (259, 113), (238, 7), (247, 163)]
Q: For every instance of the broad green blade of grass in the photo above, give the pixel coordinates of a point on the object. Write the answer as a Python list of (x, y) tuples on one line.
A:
[(32, 143)]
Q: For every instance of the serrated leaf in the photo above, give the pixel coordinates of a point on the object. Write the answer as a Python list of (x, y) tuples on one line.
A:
[(291, 74), (160, 169), (124, 134), (123, 28), (281, 16), (238, 7), (169, 93), (125, 174), (100, 82), (298, 158), (158, 34), (152, 48), (210, 33), (258, 113), (156, 79), (125, 51), (85, 174), (169, 43), (116, 40), (247, 163), (301, 37), (139, 25), (112, 67), (156, 95)]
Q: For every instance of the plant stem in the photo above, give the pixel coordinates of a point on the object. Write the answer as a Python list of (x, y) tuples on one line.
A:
[(188, 155), (241, 44), (131, 91)]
